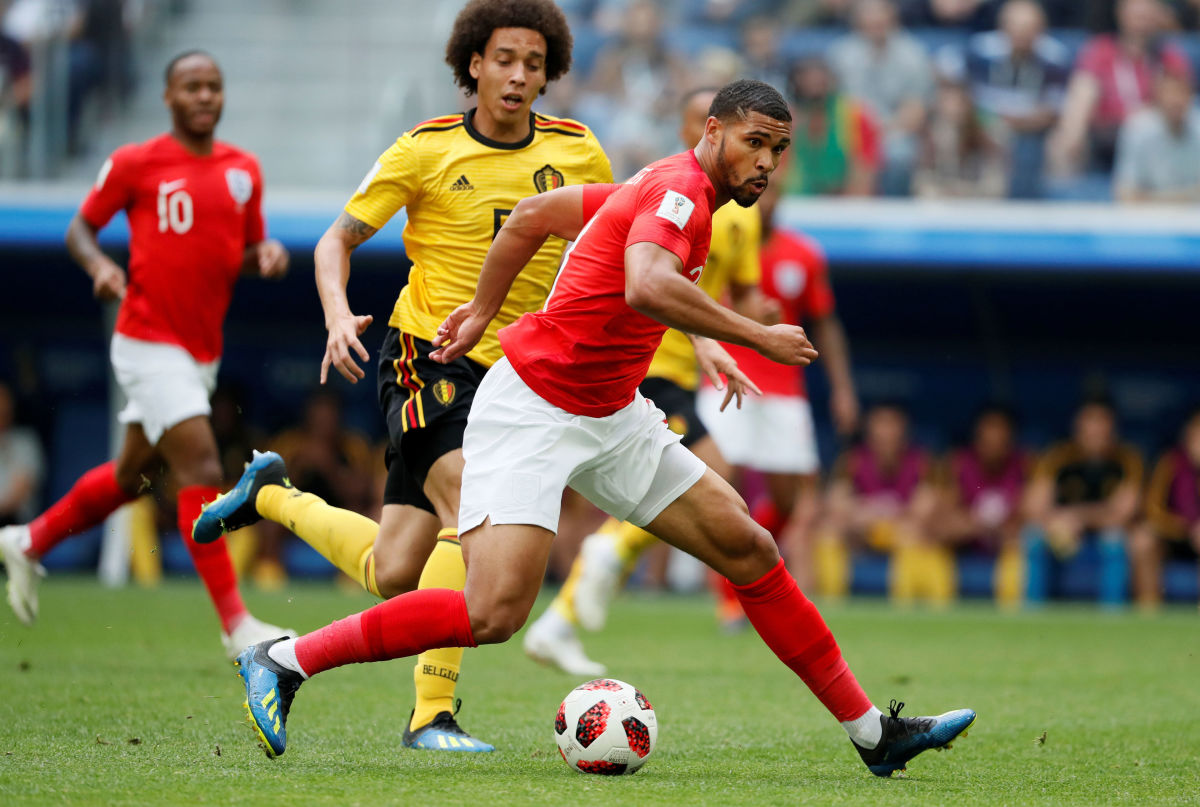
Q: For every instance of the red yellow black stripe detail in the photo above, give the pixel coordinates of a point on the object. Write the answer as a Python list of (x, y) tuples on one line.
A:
[(563, 122)]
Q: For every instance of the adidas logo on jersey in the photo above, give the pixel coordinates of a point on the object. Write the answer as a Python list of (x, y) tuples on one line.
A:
[(462, 184)]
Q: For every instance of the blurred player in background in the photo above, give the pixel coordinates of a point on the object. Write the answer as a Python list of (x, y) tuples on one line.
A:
[(1172, 517), (881, 498), (773, 433), (195, 220), (458, 177), (562, 408), (981, 498), (1085, 490), (608, 557)]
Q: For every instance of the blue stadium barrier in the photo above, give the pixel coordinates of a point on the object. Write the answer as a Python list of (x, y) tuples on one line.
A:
[(80, 442)]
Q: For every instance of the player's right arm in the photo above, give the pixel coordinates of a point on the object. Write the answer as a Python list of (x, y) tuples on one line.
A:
[(111, 192), (108, 279), (392, 183), (332, 259), (563, 213), (655, 286)]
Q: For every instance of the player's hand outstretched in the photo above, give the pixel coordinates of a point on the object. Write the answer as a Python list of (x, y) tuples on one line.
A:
[(273, 259), (108, 280), (461, 331), (343, 337), (714, 362), (787, 344)]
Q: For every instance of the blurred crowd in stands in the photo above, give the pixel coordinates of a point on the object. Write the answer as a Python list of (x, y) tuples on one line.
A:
[(84, 46), (1025, 99), (1080, 519)]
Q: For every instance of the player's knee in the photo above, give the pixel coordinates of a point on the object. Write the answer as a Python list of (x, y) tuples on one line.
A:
[(131, 479), (396, 576), (748, 551), (495, 619), (204, 470), (499, 625)]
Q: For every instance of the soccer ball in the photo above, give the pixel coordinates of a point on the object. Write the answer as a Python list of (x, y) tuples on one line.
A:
[(605, 726)]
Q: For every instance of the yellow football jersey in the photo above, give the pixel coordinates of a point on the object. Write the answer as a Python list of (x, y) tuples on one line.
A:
[(732, 258), (458, 187)]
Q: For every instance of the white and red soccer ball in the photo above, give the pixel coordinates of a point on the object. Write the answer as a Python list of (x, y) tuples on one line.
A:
[(605, 726)]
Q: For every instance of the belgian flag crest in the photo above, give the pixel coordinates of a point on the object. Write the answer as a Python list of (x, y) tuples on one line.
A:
[(443, 390), (547, 178)]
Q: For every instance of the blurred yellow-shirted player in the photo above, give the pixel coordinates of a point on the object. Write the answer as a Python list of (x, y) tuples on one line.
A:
[(458, 177), (671, 382)]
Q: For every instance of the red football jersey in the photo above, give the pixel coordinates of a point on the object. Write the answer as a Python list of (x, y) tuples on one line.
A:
[(586, 351), (794, 272), (190, 221)]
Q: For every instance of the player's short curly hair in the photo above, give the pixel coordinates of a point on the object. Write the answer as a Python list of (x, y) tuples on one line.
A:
[(737, 99), (474, 25)]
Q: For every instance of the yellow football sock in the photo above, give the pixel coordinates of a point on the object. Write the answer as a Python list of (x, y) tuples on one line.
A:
[(564, 600), (632, 543), (243, 549), (345, 538), (145, 562), (831, 562), (1009, 577), (436, 672)]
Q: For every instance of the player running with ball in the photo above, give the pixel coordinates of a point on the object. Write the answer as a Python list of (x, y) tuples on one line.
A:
[(563, 409)]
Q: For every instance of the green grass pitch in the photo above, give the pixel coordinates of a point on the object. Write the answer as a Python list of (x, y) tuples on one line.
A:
[(123, 697)]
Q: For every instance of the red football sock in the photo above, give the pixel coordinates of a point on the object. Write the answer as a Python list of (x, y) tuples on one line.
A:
[(212, 561), (767, 515), (93, 497), (793, 628), (402, 626)]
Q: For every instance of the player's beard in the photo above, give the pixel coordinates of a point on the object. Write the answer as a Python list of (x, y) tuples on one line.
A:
[(742, 193)]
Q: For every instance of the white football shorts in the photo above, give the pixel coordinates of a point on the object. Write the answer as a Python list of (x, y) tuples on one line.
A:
[(522, 451), (770, 433), (163, 384)]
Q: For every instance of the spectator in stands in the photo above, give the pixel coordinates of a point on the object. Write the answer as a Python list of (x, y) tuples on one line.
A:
[(806, 13), (835, 142), (1085, 491), (1018, 76), (958, 156), (760, 52), (21, 465), (971, 15), (1114, 77), (1158, 150), (881, 498), (16, 78), (633, 92), (322, 458), (1172, 516), (981, 498), (885, 67)]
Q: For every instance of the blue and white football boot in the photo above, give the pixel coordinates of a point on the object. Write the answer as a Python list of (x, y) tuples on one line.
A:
[(905, 737), (444, 734), (270, 689), (236, 509)]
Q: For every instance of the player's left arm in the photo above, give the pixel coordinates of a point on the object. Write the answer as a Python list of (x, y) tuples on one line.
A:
[(835, 348), (268, 259), (562, 212), (714, 361), (263, 257), (748, 300)]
